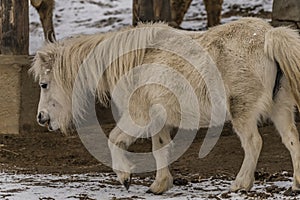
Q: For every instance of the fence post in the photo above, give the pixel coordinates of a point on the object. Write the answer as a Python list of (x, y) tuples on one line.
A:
[(14, 43)]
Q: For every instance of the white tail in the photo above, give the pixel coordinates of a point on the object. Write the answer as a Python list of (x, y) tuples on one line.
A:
[(282, 44)]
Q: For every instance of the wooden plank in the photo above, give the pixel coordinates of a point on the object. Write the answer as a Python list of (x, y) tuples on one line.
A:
[(14, 27)]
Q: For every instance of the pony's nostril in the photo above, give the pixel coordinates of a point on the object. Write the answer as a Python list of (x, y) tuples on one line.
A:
[(40, 116)]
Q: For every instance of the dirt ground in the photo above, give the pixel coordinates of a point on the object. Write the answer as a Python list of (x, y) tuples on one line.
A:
[(57, 154)]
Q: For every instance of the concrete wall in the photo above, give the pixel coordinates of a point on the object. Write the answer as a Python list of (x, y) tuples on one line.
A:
[(10, 82), (286, 13), (18, 96)]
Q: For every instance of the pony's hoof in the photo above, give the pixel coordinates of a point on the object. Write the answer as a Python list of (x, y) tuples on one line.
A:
[(160, 186), (124, 178), (242, 183), (151, 192), (296, 186), (127, 182), (235, 187)]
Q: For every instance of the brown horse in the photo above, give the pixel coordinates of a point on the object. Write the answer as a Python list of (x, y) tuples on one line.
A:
[(178, 8), (45, 10)]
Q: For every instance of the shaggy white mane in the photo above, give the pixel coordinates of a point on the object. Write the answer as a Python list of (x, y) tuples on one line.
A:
[(101, 58)]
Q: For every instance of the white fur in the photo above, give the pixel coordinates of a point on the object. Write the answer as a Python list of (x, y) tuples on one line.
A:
[(244, 52)]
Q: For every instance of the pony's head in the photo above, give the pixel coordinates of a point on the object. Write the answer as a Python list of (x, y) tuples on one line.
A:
[(53, 108)]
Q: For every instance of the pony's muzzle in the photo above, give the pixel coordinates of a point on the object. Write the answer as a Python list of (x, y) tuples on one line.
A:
[(43, 118)]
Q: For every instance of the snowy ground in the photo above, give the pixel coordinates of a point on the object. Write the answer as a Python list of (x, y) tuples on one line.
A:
[(104, 186), (90, 16)]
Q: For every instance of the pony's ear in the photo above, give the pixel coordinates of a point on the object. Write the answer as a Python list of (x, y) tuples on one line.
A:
[(42, 56), (45, 57)]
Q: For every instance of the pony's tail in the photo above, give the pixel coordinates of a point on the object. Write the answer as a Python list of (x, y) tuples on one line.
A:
[(282, 45)]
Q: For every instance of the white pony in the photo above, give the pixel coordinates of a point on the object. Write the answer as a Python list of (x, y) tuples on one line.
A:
[(259, 66)]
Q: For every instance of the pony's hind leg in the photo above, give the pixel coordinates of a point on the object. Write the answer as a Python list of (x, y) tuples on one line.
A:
[(251, 141), (118, 143), (161, 144), (283, 119)]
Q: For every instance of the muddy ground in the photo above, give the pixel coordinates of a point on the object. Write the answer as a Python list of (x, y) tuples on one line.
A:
[(58, 154)]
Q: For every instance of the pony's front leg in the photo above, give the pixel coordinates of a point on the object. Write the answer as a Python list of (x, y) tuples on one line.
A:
[(118, 143), (252, 144), (161, 143)]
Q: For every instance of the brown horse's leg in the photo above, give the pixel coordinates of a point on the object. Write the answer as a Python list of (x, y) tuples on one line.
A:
[(178, 10), (45, 10), (157, 8), (213, 9)]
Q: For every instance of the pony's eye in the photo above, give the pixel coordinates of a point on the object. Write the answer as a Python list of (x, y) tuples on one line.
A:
[(44, 85)]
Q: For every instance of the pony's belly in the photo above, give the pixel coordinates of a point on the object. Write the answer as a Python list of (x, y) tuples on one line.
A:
[(206, 120)]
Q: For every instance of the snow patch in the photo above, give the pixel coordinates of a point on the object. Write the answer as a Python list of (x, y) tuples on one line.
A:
[(105, 186), (73, 17)]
